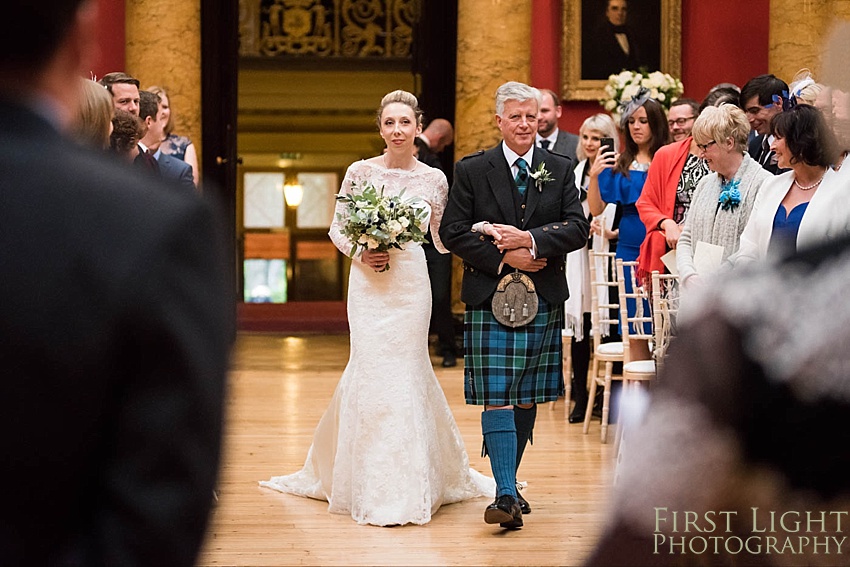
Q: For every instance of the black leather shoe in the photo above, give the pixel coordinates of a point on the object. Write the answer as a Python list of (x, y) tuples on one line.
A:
[(449, 360), (524, 507), (504, 511), (577, 415)]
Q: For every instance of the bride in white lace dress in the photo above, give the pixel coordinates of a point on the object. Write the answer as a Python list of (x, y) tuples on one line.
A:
[(388, 450)]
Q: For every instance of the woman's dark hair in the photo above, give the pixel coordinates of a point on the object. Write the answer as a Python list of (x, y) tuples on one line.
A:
[(127, 130), (657, 120), (806, 134)]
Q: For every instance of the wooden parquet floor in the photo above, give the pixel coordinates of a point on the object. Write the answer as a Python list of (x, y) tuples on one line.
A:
[(280, 386)]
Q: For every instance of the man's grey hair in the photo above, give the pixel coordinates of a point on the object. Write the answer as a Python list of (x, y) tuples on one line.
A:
[(519, 92)]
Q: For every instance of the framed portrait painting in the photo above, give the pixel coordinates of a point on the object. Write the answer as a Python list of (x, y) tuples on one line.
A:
[(603, 37)]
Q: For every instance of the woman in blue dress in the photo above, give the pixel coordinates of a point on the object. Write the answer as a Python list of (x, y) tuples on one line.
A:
[(619, 179)]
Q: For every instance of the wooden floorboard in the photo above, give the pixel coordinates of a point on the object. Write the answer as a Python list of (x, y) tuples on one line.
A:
[(279, 388)]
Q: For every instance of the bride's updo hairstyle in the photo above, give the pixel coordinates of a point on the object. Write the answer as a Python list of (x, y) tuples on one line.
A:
[(402, 97)]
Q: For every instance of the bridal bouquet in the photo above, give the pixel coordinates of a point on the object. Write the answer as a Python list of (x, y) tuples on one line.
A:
[(375, 221), (623, 86)]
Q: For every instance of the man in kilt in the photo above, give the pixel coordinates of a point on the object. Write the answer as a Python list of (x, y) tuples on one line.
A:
[(513, 208)]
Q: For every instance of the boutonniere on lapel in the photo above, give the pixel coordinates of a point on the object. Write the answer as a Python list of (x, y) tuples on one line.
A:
[(540, 176)]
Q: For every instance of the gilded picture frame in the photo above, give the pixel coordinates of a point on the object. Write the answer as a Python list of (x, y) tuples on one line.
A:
[(576, 18)]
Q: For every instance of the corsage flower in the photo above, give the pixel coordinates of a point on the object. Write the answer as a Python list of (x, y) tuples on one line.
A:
[(730, 197), (540, 176)]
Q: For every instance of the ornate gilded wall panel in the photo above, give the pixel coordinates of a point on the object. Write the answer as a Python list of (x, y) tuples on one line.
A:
[(328, 28)]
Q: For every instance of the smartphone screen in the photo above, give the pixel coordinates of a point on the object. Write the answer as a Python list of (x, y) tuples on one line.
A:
[(606, 145)]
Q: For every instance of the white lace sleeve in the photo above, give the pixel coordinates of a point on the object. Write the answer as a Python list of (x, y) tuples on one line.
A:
[(352, 176), (439, 196)]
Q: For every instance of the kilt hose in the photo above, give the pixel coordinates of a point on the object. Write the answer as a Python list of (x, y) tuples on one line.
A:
[(505, 366)]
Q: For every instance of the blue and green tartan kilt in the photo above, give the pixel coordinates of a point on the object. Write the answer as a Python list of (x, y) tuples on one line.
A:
[(505, 366)]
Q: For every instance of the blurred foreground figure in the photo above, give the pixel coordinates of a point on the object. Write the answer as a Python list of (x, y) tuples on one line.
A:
[(116, 323), (742, 458)]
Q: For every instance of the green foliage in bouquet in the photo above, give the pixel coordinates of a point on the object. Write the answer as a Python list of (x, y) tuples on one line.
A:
[(374, 221)]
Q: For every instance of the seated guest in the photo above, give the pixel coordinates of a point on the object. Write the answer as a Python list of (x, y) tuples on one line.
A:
[(92, 124), (806, 204), (723, 199)]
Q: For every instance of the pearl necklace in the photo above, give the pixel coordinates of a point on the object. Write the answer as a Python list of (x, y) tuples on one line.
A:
[(812, 186)]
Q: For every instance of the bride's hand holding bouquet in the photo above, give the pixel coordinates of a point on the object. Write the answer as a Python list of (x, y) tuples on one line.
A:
[(374, 223)]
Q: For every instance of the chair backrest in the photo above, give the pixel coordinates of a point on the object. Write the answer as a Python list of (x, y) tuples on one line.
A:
[(602, 280), (632, 326), (665, 306)]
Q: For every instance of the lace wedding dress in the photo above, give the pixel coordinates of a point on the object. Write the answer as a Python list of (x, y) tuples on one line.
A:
[(387, 449)]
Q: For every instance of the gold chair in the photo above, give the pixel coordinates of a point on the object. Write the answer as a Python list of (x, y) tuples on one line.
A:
[(602, 264)]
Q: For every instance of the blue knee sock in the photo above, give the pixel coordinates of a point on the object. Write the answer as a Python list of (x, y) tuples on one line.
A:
[(500, 439)]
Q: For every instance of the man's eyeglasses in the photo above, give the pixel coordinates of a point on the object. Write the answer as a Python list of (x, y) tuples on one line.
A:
[(704, 147), (680, 121)]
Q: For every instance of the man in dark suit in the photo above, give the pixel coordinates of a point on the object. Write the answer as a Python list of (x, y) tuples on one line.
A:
[(177, 173), (549, 136), (757, 102), (124, 90), (117, 320), (611, 46), (513, 208), (435, 138)]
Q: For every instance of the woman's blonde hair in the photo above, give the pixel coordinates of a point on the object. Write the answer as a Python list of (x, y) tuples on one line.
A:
[(162, 91), (402, 97), (603, 124), (717, 123), (93, 117)]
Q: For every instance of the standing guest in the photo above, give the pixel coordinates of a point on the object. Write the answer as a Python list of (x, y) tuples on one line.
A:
[(721, 95), (173, 145), (499, 220), (619, 178), (804, 205), (723, 200), (438, 135), (434, 139), (680, 118), (387, 450), (670, 182), (116, 330), (757, 100), (549, 136), (577, 307), (124, 90), (92, 123), (177, 173), (127, 130)]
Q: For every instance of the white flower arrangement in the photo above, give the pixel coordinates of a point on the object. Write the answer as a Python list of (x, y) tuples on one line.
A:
[(375, 221), (622, 86)]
